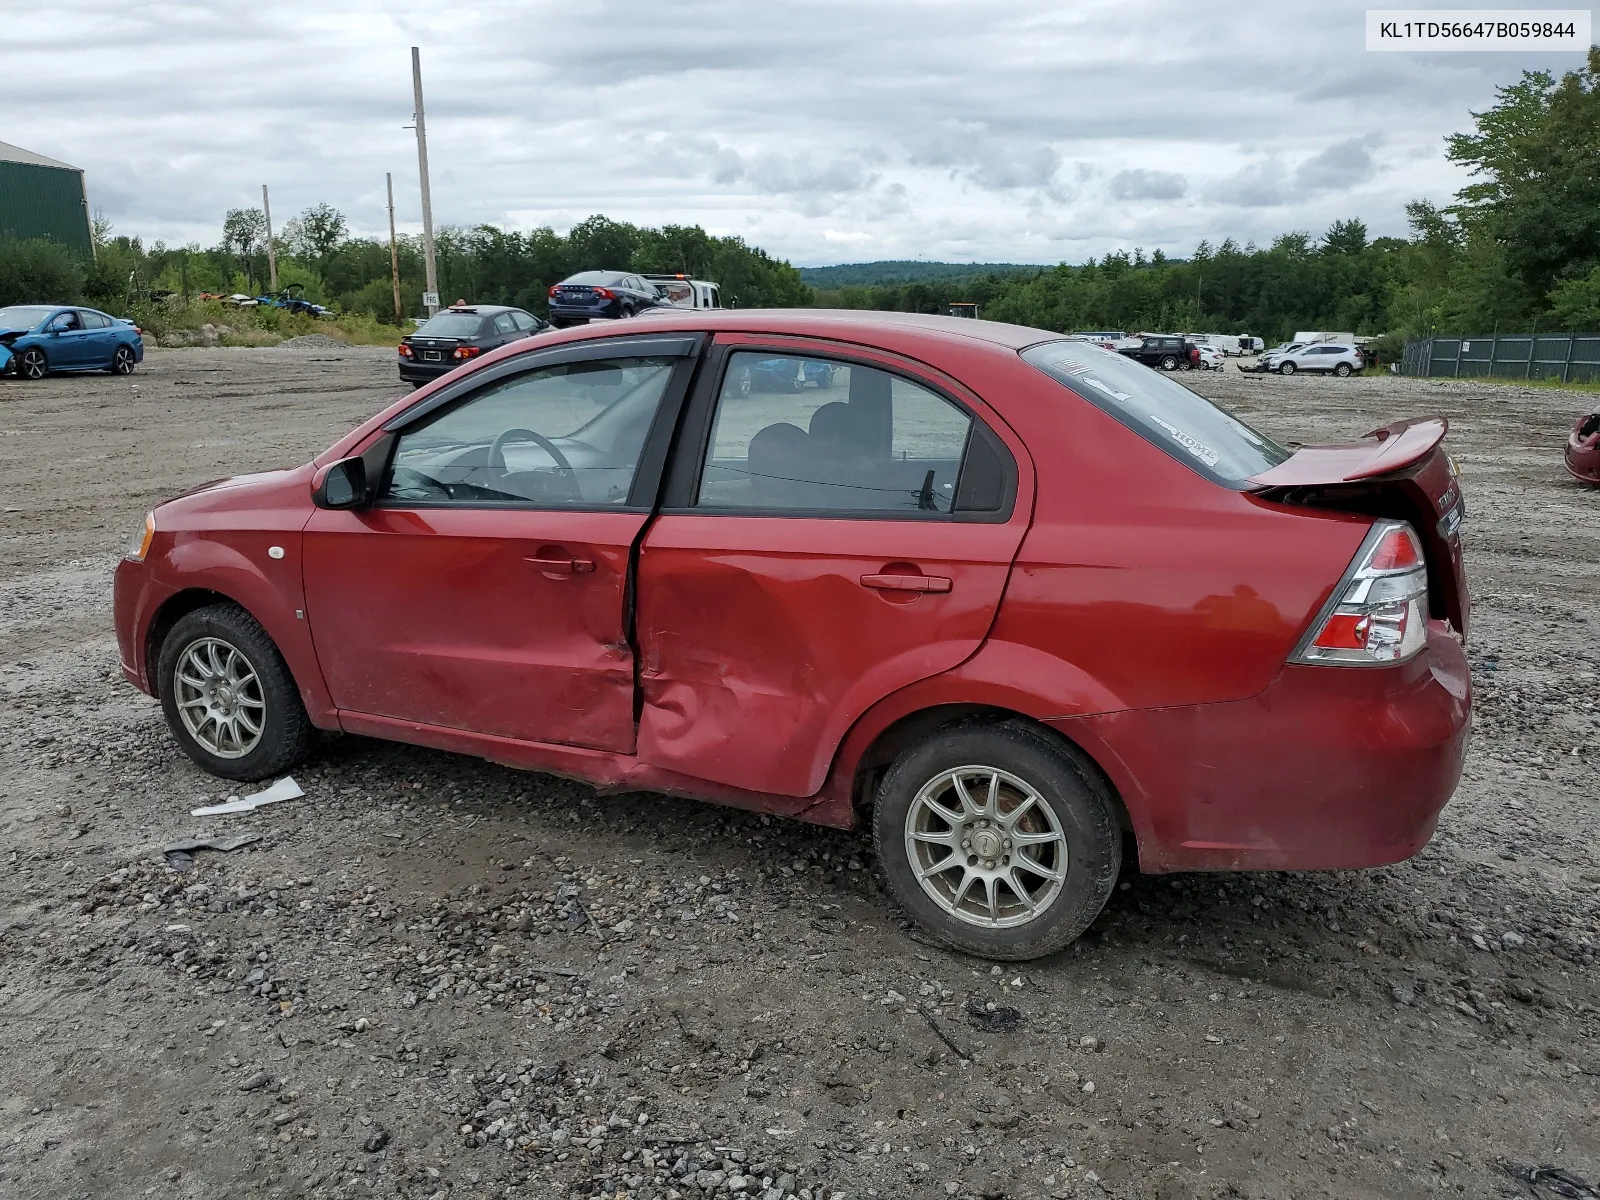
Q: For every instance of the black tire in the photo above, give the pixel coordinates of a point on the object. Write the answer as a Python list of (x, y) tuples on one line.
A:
[(287, 735), (1066, 783), (1286, 368), (1342, 370), (122, 361), (32, 364), (626, 312), (1169, 362)]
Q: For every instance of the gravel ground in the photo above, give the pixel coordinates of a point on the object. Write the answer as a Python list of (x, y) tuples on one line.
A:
[(434, 977)]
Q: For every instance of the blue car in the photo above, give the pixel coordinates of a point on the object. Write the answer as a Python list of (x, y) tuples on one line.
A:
[(36, 339)]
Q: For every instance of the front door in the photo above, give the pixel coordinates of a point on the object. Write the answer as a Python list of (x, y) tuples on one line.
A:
[(847, 530), (485, 590), (69, 344)]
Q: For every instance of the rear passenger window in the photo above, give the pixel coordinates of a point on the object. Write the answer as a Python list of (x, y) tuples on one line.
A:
[(794, 433), (504, 324)]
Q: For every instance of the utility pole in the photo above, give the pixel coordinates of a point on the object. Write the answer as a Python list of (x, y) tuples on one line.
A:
[(272, 255), (394, 252), (431, 299)]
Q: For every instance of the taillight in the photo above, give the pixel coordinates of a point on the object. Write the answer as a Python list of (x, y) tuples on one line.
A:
[(605, 293), (404, 350), (554, 288), (1379, 611), (468, 351)]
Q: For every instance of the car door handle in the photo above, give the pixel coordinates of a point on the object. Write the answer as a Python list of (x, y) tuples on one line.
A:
[(906, 583), (560, 564)]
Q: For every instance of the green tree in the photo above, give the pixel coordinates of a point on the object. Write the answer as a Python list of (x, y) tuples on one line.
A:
[(1536, 156), (315, 234)]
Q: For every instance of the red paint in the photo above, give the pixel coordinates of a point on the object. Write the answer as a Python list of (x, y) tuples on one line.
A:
[(1128, 603), (477, 619), (1582, 457)]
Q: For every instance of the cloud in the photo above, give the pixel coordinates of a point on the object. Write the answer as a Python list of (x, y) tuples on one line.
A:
[(1261, 184), (1034, 131), (1148, 185), (1342, 165)]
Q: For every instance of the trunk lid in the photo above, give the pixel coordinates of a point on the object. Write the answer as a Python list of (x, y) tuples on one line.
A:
[(1400, 471)]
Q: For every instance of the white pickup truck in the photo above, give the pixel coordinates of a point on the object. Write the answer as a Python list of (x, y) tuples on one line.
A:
[(681, 291)]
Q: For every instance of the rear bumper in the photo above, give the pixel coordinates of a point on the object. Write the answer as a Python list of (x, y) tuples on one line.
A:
[(1327, 768), (417, 372), (565, 312)]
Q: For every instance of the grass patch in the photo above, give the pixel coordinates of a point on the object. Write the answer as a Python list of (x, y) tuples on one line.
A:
[(258, 326)]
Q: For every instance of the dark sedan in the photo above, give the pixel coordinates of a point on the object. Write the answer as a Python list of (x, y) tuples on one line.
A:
[(449, 338), (600, 295)]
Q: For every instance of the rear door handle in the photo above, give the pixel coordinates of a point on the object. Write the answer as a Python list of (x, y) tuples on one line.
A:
[(560, 565), (907, 583)]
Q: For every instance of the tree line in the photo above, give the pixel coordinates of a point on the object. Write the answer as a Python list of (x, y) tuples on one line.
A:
[(1518, 248)]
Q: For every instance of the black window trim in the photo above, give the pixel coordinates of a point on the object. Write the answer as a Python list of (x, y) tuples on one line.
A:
[(645, 488), (694, 443)]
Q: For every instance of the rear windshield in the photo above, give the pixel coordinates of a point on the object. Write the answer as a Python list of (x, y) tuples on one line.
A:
[(22, 317), (1187, 426), (451, 324), (593, 277)]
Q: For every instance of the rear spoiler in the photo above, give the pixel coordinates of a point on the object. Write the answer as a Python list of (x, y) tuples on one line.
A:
[(1398, 446)]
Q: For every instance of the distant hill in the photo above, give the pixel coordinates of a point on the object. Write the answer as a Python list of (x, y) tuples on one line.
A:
[(907, 271)]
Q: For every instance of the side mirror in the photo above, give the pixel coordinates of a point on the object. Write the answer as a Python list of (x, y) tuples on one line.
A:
[(344, 485)]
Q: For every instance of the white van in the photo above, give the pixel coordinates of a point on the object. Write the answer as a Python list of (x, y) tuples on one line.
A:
[(680, 291)]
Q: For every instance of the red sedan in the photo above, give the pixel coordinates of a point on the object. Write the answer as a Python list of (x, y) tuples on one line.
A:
[(1014, 600)]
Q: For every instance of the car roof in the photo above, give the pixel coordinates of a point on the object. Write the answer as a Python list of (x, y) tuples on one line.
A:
[(479, 309), (843, 324)]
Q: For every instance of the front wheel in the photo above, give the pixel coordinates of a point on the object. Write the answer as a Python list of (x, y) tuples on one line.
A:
[(1342, 370), (32, 364), (228, 695), (998, 839), (1286, 368), (122, 361)]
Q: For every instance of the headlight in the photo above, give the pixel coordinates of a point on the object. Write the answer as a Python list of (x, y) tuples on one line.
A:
[(139, 543)]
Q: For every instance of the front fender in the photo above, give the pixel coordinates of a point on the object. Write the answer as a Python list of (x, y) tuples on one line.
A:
[(270, 589)]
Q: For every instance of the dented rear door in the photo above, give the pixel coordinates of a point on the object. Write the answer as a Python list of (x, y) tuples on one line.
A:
[(823, 550)]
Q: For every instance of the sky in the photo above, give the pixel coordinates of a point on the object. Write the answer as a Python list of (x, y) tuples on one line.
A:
[(822, 131)]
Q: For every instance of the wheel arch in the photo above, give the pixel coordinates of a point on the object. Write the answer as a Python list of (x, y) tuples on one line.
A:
[(301, 665), (173, 610), (878, 750)]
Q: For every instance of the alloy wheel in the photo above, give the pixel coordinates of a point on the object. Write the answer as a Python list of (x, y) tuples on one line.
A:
[(986, 846), (122, 361), (32, 365), (219, 698)]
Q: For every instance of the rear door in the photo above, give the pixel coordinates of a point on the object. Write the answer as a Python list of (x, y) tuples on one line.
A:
[(817, 550), (486, 589)]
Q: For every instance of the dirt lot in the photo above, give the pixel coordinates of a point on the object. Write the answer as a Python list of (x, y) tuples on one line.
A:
[(436, 977)]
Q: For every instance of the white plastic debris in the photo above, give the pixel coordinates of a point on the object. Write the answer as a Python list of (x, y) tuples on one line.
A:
[(285, 789)]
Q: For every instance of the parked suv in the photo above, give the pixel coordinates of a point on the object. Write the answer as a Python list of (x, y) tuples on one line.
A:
[(1341, 358), (1166, 352)]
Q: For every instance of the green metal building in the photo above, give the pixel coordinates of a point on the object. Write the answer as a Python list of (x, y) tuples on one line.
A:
[(43, 198)]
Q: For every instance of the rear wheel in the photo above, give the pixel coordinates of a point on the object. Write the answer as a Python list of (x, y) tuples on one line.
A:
[(1286, 368), (122, 361), (1169, 362), (997, 839), (32, 364), (1342, 370), (228, 695)]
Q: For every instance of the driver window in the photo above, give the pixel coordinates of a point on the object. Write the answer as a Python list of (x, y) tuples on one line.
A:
[(565, 436)]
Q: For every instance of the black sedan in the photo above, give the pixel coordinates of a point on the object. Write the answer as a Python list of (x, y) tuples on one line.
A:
[(591, 295), (449, 338)]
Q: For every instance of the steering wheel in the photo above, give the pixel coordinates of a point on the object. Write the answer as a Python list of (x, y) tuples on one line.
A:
[(497, 455)]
